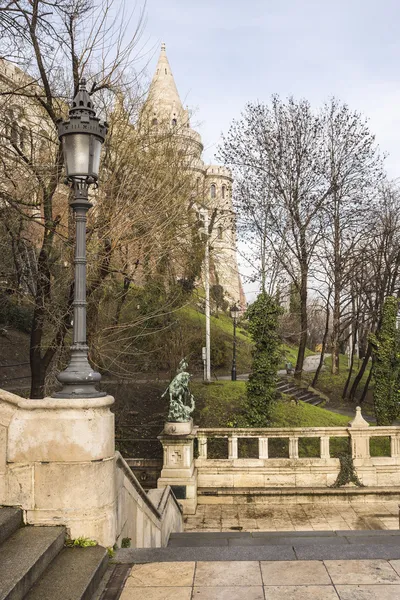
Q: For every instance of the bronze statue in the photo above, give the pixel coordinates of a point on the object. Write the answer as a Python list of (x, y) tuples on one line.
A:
[(181, 400)]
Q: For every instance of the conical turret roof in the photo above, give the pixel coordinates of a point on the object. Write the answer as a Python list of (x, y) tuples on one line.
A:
[(163, 93)]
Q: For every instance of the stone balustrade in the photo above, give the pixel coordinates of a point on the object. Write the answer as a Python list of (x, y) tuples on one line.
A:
[(303, 467), (295, 468), (360, 443)]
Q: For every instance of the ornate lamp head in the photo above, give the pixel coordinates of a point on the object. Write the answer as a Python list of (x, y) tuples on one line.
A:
[(82, 135)]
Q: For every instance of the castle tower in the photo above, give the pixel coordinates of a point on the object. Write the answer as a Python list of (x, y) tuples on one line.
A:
[(213, 184)]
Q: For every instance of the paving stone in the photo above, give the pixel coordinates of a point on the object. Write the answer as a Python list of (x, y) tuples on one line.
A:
[(229, 553), (157, 593), (161, 574), (199, 541), (308, 533), (288, 540), (304, 592), (368, 533), (361, 572), (347, 552), (368, 592), (228, 593), (218, 573), (209, 535), (377, 539), (299, 572), (396, 565)]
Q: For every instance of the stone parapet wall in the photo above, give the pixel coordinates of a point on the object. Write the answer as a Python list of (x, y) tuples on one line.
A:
[(146, 519), (58, 463), (294, 472)]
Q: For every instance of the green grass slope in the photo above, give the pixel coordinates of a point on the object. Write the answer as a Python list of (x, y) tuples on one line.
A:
[(222, 341), (333, 385), (219, 404)]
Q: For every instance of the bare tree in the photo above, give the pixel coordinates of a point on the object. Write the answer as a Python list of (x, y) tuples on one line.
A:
[(353, 170), (140, 220), (277, 149)]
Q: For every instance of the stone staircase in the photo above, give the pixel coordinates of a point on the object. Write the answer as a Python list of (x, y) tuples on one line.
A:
[(35, 565), (285, 545), (291, 388)]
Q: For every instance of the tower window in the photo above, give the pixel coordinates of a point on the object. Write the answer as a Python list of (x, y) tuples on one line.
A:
[(165, 71), (154, 121), (223, 191), (213, 191), (220, 232), (174, 122)]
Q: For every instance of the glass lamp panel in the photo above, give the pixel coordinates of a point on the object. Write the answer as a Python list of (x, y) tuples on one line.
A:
[(95, 166), (76, 154), (235, 312)]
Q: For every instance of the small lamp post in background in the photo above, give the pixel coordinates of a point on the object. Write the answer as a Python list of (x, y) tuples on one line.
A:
[(235, 314), (81, 135)]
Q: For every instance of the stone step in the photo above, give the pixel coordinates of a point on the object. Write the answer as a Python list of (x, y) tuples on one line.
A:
[(317, 401), (24, 556), (297, 495), (74, 574), (307, 548), (298, 392), (281, 538), (290, 389), (305, 395), (10, 521)]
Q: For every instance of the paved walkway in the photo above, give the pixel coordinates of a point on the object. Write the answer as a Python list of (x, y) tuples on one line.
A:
[(293, 517), (265, 580)]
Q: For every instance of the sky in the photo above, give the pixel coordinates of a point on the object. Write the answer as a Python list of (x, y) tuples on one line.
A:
[(224, 53)]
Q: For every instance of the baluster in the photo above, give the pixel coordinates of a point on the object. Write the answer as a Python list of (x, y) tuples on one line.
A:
[(202, 447), (395, 446), (293, 447), (324, 447), (262, 447), (232, 447)]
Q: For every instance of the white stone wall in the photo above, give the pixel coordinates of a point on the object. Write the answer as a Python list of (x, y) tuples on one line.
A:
[(58, 462), (294, 472)]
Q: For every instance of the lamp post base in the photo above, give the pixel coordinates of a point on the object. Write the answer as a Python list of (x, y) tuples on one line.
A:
[(79, 380)]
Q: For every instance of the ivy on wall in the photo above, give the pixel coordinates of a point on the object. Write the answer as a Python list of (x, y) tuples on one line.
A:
[(347, 473), (386, 364)]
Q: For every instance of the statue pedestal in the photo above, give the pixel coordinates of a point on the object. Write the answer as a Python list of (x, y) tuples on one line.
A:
[(178, 428), (178, 470)]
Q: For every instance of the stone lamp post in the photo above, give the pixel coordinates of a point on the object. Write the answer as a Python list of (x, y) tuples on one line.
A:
[(82, 136)]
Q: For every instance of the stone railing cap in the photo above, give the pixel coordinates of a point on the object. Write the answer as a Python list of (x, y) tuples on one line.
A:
[(358, 420)]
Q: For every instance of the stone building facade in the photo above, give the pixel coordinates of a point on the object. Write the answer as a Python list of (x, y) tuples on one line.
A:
[(212, 184)]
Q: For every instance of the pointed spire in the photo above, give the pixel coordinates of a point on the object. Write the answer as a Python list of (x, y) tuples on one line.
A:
[(163, 94)]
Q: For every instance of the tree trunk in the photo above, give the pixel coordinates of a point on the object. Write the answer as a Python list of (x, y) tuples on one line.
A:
[(366, 386), (324, 340), (337, 288), (37, 373), (335, 331), (353, 346), (303, 323), (360, 373)]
